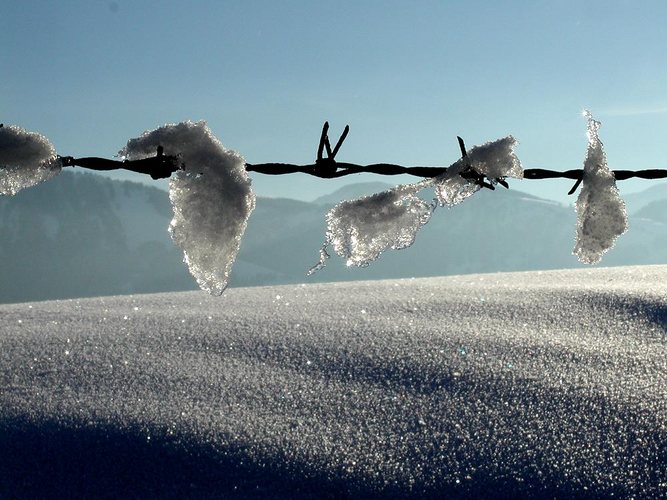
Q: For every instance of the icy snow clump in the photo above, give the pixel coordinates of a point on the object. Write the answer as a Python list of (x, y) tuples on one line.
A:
[(360, 230), (494, 160), (601, 215), (211, 198), (26, 159)]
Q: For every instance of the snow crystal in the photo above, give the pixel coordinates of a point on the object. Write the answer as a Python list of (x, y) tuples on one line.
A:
[(601, 215), (26, 159), (360, 230), (211, 198), (494, 160)]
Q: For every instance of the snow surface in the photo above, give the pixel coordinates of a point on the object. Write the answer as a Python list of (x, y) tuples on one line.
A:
[(26, 159), (360, 230), (542, 384), (212, 198), (601, 214)]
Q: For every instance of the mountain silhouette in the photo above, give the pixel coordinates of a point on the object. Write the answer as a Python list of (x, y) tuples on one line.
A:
[(82, 234)]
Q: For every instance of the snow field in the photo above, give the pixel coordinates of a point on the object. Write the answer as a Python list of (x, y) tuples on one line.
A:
[(530, 384)]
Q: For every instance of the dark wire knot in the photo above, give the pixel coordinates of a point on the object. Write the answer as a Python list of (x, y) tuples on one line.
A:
[(326, 167), (471, 174)]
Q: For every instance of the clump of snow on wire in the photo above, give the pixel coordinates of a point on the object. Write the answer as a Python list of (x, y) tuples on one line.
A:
[(211, 198), (360, 230), (26, 159), (495, 160), (601, 214)]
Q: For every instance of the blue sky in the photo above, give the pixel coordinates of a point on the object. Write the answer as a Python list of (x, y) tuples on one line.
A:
[(407, 76)]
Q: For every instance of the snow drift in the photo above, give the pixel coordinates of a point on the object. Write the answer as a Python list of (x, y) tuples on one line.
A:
[(538, 385)]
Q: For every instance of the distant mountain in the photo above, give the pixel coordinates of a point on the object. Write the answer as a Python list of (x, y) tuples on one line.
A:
[(86, 235), (655, 211), (637, 201), (352, 191)]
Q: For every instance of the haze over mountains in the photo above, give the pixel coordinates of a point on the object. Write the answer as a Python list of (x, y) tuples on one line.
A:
[(86, 235)]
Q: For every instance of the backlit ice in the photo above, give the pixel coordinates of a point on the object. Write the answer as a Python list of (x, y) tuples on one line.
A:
[(211, 199), (601, 215), (360, 230), (26, 159), (495, 159)]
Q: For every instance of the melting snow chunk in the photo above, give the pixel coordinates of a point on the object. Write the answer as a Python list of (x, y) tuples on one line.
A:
[(26, 159), (452, 189), (601, 215), (360, 230), (494, 160), (212, 198)]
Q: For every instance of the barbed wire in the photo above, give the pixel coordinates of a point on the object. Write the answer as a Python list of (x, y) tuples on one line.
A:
[(162, 166)]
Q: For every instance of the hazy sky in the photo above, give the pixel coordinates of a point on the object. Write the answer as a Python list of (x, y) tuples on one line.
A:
[(407, 76)]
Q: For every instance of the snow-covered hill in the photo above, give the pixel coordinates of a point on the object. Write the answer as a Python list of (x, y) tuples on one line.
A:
[(528, 384)]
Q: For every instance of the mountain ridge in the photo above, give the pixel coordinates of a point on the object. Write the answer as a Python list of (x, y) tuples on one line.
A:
[(81, 234)]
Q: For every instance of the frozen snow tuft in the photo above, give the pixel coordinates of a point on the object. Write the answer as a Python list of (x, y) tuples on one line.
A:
[(494, 160), (26, 159), (601, 215), (211, 199), (360, 230), (452, 189)]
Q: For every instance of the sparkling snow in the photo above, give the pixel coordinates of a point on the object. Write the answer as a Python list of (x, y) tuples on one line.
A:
[(212, 198), (543, 384), (26, 159)]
